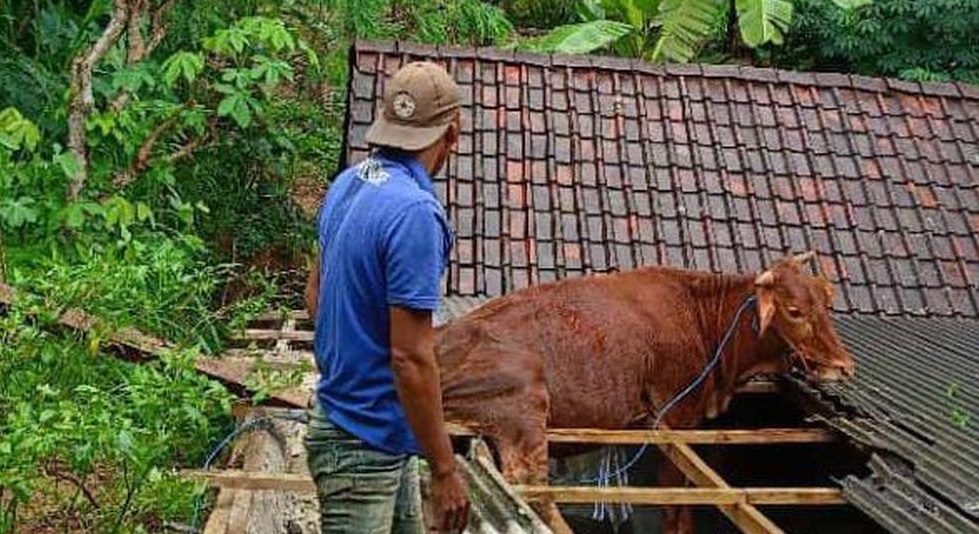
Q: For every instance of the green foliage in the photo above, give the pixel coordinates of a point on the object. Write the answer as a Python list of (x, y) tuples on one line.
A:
[(182, 64), (459, 21), (925, 40), (68, 413), (539, 13), (763, 21), (428, 21), (17, 132), (580, 38), (665, 30), (959, 416), (684, 26)]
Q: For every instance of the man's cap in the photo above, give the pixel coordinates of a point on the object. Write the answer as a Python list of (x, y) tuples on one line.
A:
[(420, 101)]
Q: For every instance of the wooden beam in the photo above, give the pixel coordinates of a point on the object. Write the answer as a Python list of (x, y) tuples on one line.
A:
[(683, 496), (296, 315), (743, 514), (700, 437), (248, 480), (217, 521), (132, 345), (697, 437), (257, 334), (256, 481)]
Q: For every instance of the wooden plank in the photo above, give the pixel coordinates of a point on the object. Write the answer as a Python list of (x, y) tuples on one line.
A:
[(132, 345), (257, 334), (743, 514), (725, 437), (246, 480), (698, 437), (241, 511), (682, 496), (217, 521), (296, 315)]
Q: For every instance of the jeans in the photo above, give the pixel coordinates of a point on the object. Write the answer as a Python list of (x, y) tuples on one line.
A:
[(361, 490)]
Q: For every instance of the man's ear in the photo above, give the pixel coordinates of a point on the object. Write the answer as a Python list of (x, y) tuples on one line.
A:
[(765, 293)]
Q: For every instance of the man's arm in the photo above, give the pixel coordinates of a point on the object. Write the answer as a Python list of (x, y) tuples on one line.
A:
[(312, 294), (416, 378)]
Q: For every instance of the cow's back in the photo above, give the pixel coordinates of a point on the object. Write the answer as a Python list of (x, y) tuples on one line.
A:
[(598, 343)]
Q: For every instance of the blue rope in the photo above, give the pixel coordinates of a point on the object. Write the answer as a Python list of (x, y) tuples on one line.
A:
[(745, 304), (237, 431)]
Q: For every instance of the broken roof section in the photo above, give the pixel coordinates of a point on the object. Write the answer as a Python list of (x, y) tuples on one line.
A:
[(910, 401), (569, 165)]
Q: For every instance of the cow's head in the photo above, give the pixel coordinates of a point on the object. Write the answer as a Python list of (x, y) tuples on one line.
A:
[(796, 305)]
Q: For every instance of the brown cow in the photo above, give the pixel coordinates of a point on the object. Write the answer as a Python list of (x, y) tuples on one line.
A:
[(608, 351)]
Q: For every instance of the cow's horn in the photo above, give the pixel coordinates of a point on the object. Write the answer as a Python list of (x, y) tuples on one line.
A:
[(804, 257), (765, 279)]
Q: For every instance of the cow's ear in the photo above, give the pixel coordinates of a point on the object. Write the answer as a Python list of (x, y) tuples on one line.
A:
[(765, 293), (827, 288)]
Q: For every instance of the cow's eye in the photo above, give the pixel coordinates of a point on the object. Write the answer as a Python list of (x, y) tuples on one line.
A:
[(794, 312)]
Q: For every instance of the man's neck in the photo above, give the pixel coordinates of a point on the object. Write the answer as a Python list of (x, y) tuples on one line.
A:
[(429, 159)]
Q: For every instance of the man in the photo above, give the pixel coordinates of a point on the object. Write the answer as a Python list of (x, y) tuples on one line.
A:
[(384, 242)]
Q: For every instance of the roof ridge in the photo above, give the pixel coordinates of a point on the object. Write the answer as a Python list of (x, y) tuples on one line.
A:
[(728, 70)]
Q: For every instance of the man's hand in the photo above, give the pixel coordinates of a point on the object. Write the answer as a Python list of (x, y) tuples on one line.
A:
[(449, 501)]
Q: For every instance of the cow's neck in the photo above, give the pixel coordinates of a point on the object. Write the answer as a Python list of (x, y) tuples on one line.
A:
[(746, 354)]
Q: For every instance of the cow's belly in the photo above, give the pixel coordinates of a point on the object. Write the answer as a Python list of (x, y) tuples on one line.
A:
[(594, 400)]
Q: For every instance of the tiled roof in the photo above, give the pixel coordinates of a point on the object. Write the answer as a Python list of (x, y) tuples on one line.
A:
[(574, 164)]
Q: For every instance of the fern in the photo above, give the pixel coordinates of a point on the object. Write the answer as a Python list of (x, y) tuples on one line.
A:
[(764, 21), (684, 26)]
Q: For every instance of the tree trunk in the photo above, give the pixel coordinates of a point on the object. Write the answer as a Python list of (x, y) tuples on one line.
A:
[(82, 101), (138, 47), (733, 39)]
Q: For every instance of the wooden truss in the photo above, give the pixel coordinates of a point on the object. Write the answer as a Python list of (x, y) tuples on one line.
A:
[(738, 504)]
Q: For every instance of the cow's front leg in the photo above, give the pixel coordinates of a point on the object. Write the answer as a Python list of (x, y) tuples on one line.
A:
[(523, 451), (526, 464), (676, 519)]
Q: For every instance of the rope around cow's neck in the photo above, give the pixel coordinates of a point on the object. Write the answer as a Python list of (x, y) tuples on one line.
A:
[(748, 302)]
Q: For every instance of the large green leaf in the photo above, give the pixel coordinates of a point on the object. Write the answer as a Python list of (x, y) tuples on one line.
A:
[(581, 38), (636, 13), (763, 21), (852, 4), (684, 26)]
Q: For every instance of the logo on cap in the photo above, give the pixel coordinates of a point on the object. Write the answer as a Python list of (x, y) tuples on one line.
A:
[(404, 105)]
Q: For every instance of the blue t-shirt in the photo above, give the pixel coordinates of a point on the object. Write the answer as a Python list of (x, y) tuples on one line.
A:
[(384, 241)]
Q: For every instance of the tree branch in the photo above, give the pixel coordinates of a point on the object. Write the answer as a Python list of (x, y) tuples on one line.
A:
[(53, 471), (135, 45), (142, 158), (82, 101), (139, 48), (141, 161), (158, 24)]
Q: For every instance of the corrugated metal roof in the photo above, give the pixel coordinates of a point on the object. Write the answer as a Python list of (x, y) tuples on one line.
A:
[(917, 383)]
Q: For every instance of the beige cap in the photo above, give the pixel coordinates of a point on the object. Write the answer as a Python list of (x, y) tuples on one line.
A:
[(420, 101)]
